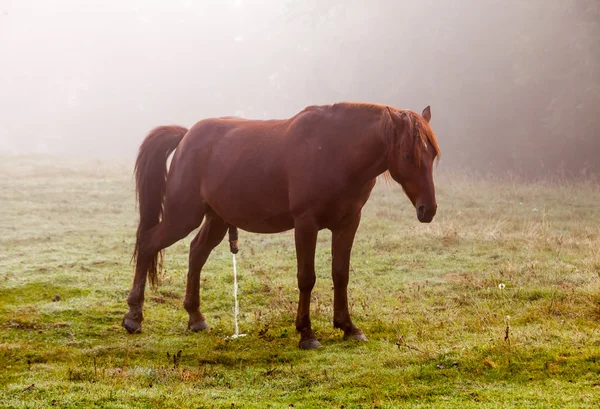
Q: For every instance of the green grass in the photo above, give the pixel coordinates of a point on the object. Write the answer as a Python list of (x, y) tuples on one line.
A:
[(427, 296)]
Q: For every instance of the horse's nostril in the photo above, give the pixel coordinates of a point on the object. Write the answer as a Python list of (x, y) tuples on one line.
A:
[(421, 211)]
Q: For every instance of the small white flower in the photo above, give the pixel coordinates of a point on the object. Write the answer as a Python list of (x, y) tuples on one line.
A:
[(501, 286)]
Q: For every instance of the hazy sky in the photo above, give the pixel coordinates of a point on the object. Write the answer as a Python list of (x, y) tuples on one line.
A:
[(90, 77)]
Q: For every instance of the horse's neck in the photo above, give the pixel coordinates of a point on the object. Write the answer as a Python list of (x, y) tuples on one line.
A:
[(369, 150)]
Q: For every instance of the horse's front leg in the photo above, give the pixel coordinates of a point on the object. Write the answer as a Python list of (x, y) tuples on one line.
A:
[(341, 247), (306, 241)]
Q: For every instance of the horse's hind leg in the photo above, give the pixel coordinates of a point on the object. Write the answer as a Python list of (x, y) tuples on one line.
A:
[(132, 321), (210, 235), (170, 230)]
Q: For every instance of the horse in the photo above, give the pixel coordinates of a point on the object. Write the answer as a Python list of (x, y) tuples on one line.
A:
[(312, 171)]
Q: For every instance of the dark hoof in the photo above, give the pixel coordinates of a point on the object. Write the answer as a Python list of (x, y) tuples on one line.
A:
[(309, 344), (357, 336), (198, 326), (133, 327)]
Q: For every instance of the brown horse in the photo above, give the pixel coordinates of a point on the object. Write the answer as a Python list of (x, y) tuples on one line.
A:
[(310, 172)]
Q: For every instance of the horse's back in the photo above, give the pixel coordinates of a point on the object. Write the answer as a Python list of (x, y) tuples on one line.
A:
[(211, 129)]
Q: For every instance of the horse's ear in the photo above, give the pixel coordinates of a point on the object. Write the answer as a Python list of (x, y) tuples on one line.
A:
[(427, 113), (401, 121)]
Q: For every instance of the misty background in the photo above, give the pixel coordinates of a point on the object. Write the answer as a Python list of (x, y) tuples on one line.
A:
[(513, 85)]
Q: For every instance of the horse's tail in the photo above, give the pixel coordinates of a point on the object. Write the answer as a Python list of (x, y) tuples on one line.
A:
[(151, 183)]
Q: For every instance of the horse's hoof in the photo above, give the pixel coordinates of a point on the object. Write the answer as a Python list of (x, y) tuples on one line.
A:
[(198, 326), (133, 327), (309, 344), (358, 336)]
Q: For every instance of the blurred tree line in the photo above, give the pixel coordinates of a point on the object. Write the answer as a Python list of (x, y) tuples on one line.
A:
[(514, 85)]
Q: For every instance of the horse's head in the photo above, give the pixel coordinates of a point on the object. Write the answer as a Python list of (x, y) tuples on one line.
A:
[(412, 151)]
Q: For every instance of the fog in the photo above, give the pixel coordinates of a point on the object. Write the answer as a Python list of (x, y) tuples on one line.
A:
[(514, 86)]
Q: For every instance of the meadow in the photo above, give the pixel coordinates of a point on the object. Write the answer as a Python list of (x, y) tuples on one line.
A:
[(496, 304)]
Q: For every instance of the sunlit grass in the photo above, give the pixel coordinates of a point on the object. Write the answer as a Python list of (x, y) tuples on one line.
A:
[(494, 304)]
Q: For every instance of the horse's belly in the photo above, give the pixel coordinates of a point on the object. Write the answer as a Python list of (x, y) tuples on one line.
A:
[(274, 224), (256, 214)]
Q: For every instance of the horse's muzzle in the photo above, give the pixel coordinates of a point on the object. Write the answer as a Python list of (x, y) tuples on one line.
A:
[(425, 213)]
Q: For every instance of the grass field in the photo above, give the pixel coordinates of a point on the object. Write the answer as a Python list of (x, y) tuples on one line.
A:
[(494, 304)]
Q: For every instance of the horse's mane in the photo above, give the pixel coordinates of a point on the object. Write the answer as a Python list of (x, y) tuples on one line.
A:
[(422, 132)]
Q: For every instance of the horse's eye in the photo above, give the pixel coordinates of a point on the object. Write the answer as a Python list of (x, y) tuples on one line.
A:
[(407, 155)]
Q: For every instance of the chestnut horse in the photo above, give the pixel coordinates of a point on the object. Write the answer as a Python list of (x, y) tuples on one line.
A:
[(310, 172)]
